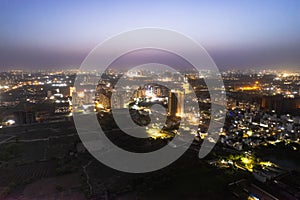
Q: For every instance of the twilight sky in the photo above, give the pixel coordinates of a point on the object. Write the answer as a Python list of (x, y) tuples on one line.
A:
[(238, 34)]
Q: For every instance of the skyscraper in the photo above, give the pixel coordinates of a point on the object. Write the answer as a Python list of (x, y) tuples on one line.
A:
[(176, 103)]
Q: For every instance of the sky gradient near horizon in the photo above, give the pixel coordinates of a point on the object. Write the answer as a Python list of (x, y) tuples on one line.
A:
[(238, 34)]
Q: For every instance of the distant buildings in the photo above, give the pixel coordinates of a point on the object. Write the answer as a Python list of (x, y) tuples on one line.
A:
[(272, 103), (25, 117), (118, 99), (279, 104), (103, 102)]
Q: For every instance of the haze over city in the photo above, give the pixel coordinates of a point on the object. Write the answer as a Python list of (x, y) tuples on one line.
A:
[(59, 34)]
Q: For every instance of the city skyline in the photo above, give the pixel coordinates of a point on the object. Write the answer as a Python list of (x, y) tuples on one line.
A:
[(57, 34), (257, 146)]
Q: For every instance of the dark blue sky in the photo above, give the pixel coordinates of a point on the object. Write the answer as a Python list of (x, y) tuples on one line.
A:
[(238, 34)]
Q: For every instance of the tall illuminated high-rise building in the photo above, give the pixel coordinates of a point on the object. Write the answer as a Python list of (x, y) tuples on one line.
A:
[(176, 103)]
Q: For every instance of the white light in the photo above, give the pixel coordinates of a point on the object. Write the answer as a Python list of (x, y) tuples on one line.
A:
[(10, 122)]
